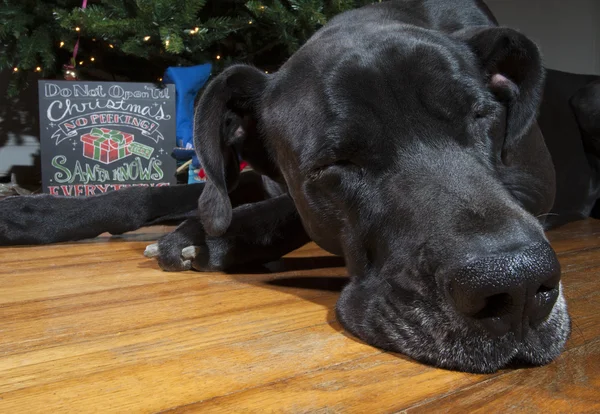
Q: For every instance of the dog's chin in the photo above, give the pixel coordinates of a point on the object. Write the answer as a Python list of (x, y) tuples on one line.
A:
[(425, 332)]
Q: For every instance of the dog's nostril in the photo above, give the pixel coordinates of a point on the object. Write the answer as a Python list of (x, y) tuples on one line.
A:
[(542, 303), (495, 306), (544, 289)]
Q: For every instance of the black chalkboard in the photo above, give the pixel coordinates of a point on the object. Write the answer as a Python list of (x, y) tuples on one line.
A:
[(102, 136)]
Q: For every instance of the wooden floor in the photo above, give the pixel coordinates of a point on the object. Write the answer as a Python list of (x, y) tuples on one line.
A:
[(96, 327)]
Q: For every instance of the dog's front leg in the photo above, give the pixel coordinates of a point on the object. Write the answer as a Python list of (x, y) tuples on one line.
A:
[(42, 219), (259, 232)]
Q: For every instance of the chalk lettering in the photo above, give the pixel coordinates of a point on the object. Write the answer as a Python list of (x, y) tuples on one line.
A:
[(78, 160), (63, 175), (83, 174), (58, 111)]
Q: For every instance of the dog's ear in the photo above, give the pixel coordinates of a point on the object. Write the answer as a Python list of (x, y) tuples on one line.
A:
[(229, 100), (513, 68)]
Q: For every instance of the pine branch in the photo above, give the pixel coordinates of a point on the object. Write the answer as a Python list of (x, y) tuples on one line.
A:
[(139, 39)]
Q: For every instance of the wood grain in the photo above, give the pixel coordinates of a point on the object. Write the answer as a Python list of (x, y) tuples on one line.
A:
[(96, 327)]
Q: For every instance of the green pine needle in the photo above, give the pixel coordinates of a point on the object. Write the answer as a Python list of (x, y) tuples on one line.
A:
[(139, 39)]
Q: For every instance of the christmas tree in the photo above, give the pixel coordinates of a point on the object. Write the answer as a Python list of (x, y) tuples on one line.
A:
[(138, 39)]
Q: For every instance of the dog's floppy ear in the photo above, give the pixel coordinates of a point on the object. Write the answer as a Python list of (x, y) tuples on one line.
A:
[(513, 66), (229, 99)]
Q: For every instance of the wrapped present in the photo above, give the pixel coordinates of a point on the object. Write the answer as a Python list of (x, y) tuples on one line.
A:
[(106, 145)]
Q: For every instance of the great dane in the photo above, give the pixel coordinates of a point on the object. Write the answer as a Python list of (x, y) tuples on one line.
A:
[(403, 137)]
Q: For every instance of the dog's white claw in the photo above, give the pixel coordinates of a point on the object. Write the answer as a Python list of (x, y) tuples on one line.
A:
[(190, 252), (151, 250)]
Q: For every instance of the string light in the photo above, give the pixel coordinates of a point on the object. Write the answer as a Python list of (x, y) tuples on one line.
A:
[(266, 71), (196, 29), (77, 29), (92, 58), (15, 69), (250, 22), (111, 46), (38, 69), (262, 7), (218, 57), (160, 79), (146, 38), (62, 44), (81, 62), (166, 43)]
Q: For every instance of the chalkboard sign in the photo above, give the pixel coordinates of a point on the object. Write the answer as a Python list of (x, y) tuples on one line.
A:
[(102, 136)]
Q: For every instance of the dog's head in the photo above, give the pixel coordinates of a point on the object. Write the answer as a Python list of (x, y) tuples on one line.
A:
[(416, 156)]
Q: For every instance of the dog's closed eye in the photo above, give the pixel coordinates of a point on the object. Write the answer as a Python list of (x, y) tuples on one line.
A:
[(482, 111), (318, 172)]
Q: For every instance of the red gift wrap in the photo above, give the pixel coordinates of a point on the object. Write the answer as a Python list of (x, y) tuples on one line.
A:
[(104, 149)]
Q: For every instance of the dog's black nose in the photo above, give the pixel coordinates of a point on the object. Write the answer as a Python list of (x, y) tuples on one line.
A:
[(508, 292)]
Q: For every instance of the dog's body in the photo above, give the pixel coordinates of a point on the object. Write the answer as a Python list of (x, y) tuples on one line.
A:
[(570, 121), (403, 137)]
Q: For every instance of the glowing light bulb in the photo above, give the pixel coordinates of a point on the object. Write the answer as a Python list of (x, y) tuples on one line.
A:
[(146, 38)]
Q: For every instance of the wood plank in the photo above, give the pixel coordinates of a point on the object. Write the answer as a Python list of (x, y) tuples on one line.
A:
[(569, 385), (148, 379), (575, 236), (127, 348), (377, 383), (96, 327)]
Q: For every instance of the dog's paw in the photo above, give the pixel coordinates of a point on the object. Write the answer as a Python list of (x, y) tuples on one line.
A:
[(172, 260), (175, 252)]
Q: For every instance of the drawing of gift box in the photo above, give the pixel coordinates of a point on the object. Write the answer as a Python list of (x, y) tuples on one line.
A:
[(106, 145)]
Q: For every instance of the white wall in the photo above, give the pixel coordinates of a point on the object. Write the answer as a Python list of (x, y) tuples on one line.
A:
[(567, 31), (19, 143)]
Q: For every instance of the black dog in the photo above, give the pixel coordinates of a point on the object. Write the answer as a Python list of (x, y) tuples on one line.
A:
[(401, 136)]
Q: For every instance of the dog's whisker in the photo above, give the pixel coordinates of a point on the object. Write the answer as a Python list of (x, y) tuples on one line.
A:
[(547, 214)]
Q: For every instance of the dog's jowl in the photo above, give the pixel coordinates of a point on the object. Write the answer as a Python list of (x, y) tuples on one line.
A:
[(401, 136)]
